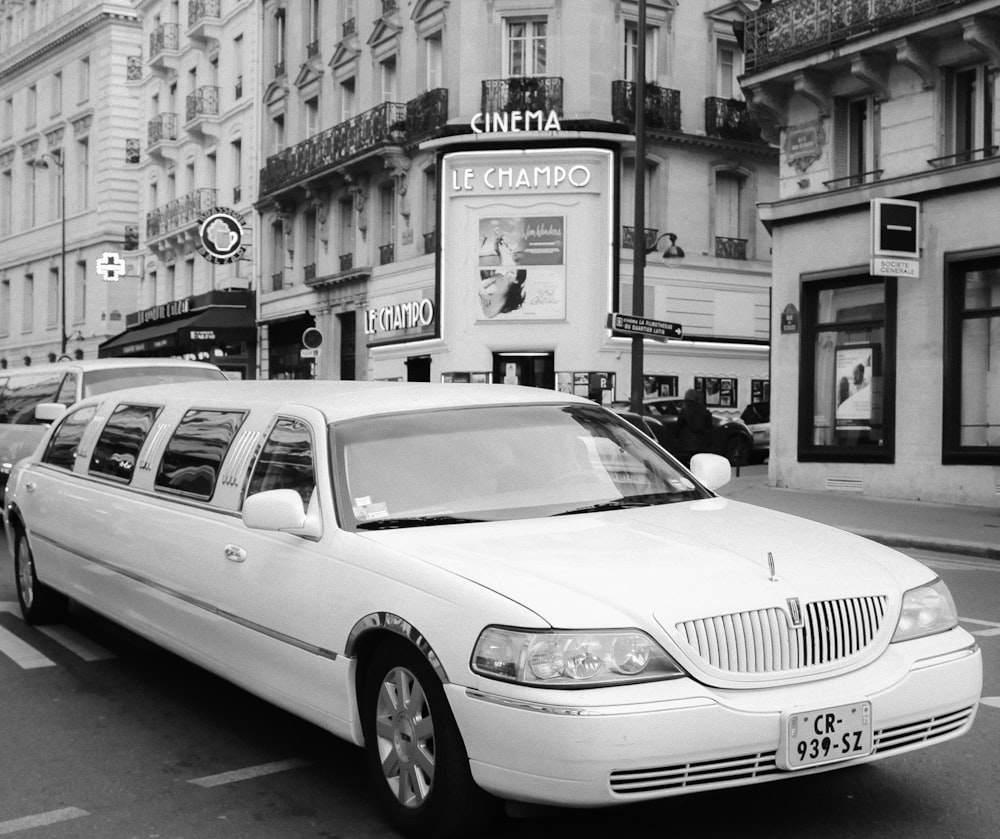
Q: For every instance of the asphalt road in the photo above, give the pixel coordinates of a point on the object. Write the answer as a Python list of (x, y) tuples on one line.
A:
[(104, 736)]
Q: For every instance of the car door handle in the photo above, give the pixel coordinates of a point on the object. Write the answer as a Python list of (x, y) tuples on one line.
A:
[(234, 553)]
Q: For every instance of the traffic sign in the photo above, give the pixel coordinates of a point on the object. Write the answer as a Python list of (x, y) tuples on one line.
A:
[(659, 330)]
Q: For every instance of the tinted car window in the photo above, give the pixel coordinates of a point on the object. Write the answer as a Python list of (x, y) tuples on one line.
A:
[(18, 400), (191, 461), (103, 381), (286, 461), (121, 439), (61, 450)]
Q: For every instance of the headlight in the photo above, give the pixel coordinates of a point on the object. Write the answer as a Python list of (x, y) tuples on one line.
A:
[(926, 610), (581, 658)]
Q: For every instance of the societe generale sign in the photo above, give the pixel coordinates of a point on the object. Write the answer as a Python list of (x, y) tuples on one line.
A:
[(895, 238)]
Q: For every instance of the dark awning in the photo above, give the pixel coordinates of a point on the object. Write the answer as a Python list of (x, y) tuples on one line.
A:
[(178, 333)]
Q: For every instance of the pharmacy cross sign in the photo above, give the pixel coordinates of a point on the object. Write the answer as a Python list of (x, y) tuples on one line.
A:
[(110, 267)]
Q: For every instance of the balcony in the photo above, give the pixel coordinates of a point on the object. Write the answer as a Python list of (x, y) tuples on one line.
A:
[(175, 216), (854, 179), (798, 28), (161, 129), (204, 20), (386, 254), (380, 126), (131, 237), (346, 261), (628, 237), (203, 111), (523, 93), (164, 42), (133, 69), (133, 153), (309, 272), (426, 113), (729, 248), (730, 119), (662, 111)]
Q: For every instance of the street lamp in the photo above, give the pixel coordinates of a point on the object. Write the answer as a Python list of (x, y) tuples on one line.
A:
[(41, 163)]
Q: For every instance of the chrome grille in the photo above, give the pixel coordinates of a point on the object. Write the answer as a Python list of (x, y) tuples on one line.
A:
[(764, 640)]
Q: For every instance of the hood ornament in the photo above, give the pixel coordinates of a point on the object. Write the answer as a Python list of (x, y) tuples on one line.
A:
[(770, 564)]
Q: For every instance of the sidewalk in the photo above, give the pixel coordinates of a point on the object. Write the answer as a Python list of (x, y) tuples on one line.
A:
[(954, 528)]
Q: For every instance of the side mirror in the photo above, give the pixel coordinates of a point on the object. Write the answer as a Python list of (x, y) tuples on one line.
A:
[(49, 411), (712, 470), (281, 510)]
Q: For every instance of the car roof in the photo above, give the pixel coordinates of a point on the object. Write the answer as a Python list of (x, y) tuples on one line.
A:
[(338, 400), (87, 365)]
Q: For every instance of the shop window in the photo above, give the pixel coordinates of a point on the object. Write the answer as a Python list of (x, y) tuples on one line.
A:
[(971, 409), (760, 390), (596, 385), (719, 391), (466, 377), (847, 364), (659, 386)]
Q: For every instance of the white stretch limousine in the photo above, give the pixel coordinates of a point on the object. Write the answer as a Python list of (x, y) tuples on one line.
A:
[(494, 589)]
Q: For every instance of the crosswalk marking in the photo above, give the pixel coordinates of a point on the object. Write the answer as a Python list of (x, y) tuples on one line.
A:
[(41, 819), (76, 643), (249, 772), (23, 654)]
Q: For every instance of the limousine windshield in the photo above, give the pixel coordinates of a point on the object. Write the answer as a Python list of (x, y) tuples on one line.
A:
[(497, 463)]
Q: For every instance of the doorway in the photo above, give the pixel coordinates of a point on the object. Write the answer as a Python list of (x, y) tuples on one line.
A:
[(532, 369), (418, 368)]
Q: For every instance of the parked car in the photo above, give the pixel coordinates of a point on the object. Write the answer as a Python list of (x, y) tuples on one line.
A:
[(729, 437), (31, 397), (499, 592), (757, 416)]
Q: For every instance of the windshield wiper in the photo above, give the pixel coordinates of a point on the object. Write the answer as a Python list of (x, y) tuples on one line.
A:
[(414, 521), (634, 501)]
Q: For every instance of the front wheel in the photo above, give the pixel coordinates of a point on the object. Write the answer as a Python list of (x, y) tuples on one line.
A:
[(414, 751), (39, 603)]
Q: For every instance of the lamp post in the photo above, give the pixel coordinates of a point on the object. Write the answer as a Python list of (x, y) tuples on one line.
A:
[(42, 163), (639, 251)]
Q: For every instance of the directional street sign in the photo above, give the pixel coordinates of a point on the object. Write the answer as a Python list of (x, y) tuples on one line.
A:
[(659, 330)]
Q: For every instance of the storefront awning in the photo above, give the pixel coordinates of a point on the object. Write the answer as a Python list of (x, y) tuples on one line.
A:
[(181, 333)]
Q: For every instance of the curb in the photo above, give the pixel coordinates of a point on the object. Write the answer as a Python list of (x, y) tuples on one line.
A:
[(955, 546)]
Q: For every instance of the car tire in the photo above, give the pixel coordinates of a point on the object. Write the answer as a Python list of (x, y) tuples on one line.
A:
[(737, 450), (39, 603), (414, 751)]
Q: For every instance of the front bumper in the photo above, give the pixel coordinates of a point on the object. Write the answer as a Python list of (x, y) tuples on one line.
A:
[(670, 738)]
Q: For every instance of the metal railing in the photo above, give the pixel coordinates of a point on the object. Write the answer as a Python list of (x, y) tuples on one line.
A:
[(278, 281), (966, 156), (309, 272), (727, 247), (730, 119), (346, 261), (663, 105), (161, 127), (427, 112), (131, 237), (523, 93), (386, 254), (202, 10), (133, 68), (166, 36), (180, 212), (203, 102), (379, 126), (856, 179)]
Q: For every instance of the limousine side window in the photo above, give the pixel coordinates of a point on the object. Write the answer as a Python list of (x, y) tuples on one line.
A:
[(22, 393), (67, 390), (191, 460), (61, 450), (286, 461), (121, 439)]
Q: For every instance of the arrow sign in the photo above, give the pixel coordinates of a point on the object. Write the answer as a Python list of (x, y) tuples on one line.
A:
[(659, 330)]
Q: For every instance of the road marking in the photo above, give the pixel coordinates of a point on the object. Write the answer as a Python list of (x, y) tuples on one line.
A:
[(23, 654), (8, 606), (960, 564), (987, 633), (76, 643), (248, 773), (41, 820), (978, 621), (992, 701)]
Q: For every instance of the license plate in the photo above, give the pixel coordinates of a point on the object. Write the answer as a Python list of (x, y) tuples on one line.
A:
[(826, 735)]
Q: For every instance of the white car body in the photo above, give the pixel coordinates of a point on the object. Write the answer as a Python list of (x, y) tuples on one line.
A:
[(289, 618)]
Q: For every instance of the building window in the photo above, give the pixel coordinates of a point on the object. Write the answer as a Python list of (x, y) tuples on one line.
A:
[(6, 201), (52, 301), (345, 244), (387, 76), (728, 67), (278, 133), (387, 221), (31, 107), (28, 304), (526, 48), (433, 59), (632, 51), (970, 113), (83, 173), (314, 23), (730, 226), (237, 157), (238, 64), (83, 80), (312, 116), (7, 119), (856, 141), (31, 193), (972, 360), (80, 293), (347, 90), (279, 42), (56, 94), (847, 370), (188, 289), (5, 308)]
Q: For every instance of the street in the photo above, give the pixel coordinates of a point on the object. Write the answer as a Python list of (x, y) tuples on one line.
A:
[(105, 736)]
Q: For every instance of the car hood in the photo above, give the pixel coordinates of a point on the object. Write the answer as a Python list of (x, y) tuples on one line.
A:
[(660, 565)]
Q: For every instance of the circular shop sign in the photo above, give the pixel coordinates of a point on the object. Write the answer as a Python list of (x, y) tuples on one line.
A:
[(220, 235)]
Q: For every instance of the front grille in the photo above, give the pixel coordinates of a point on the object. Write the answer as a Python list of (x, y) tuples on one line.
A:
[(764, 641), (728, 771)]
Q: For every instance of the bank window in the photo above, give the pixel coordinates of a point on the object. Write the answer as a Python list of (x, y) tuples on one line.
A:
[(846, 403), (526, 48), (117, 448), (191, 460), (971, 409), (286, 461), (62, 447)]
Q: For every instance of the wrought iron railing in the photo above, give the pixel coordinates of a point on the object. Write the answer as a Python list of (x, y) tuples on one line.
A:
[(855, 179), (730, 119), (133, 68), (132, 150), (131, 237), (663, 105), (794, 28), (729, 248), (309, 272), (427, 112), (430, 242), (203, 102), (628, 237), (180, 212), (386, 254), (278, 281), (365, 132), (201, 10), (346, 261), (166, 36), (523, 93), (162, 127), (348, 27), (961, 157)]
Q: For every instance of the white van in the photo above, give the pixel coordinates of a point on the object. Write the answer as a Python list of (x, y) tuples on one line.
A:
[(32, 397)]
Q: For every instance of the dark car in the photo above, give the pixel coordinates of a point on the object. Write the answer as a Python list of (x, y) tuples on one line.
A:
[(729, 436), (757, 416)]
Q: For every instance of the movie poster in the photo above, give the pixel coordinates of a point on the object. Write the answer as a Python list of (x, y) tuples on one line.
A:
[(521, 271)]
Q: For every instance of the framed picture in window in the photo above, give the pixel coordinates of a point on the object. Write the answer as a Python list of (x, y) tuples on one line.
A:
[(854, 368)]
